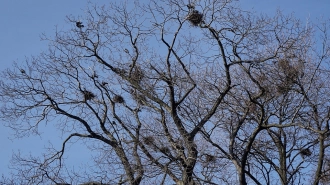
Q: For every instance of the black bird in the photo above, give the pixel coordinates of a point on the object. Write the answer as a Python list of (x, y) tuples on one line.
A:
[(104, 83), (22, 71), (79, 24), (190, 6)]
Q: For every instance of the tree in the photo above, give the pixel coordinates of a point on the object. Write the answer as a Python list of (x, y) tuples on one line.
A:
[(204, 93)]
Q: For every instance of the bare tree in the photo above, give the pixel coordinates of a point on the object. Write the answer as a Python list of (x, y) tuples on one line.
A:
[(170, 92)]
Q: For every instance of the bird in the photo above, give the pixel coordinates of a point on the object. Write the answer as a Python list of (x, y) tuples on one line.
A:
[(190, 6), (95, 75), (104, 83), (79, 24), (22, 70), (126, 51)]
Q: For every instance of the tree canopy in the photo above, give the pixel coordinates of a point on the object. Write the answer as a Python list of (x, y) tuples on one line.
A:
[(176, 93)]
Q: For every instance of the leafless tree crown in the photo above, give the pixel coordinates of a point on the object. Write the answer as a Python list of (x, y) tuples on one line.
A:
[(171, 92)]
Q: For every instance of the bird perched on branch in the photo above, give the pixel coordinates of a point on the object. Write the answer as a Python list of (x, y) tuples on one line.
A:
[(190, 6), (79, 24), (104, 83)]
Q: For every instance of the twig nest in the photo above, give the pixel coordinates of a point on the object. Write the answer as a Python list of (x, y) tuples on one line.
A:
[(148, 140), (209, 158), (88, 95), (195, 17), (137, 74), (118, 99), (290, 71), (306, 152), (282, 88)]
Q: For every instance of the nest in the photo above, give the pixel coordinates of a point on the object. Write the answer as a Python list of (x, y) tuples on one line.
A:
[(148, 140), (210, 158), (118, 99), (282, 89), (291, 73), (88, 95), (137, 74), (306, 152), (283, 64), (195, 17)]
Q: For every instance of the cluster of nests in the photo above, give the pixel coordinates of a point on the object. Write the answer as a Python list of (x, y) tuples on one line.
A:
[(194, 17), (136, 76), (149, 140), (89, 95)]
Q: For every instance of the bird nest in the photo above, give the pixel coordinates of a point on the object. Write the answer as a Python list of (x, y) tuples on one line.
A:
[(195, 17), (88, 95), (149, 140), (306, 152), (210, 158), (118, 99), (137, 74), (283, 88), (291, 72)]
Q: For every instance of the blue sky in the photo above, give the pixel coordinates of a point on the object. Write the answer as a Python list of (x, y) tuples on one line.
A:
[(22, 23)]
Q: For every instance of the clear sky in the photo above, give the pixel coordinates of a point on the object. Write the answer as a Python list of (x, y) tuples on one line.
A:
[(22, 23)]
